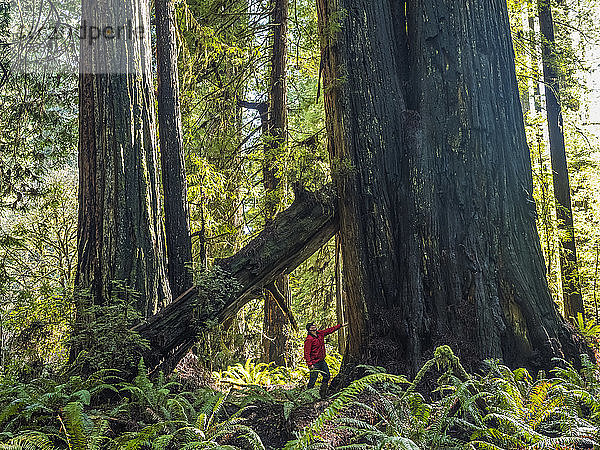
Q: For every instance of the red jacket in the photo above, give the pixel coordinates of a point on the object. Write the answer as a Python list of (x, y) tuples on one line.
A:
[(314, 347)]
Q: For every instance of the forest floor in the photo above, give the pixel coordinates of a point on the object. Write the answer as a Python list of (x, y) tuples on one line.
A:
[(267, 418), (444, 407), (275, 431)]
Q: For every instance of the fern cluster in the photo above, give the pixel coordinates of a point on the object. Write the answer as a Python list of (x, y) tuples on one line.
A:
[(143, 414), (263, 374), (501, 409), (250, 373)]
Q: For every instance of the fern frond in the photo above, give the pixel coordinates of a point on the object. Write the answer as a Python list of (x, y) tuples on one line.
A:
[(82, 396), (11, 410), (29, 441), (252, 439), (176, 409), (542, 412), (484, 445), (522, 375), (418, 407), (207, 445), (162, 442), (355, 447), (397, 442), (342, 399), (144, 437), (507, 440), (563, 442), (353, 424), (201, 421), (77, 426), (215, 411), (517, 427)]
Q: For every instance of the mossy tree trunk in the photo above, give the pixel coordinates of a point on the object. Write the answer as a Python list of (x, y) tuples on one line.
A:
[(120, 234), (177, 214), (434, 182), (275, 324)]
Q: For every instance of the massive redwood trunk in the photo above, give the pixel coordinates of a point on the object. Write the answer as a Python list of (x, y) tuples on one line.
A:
[(434, 179), (120, 235)]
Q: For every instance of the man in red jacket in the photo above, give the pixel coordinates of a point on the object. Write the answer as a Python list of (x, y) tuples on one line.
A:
[(314, 354)]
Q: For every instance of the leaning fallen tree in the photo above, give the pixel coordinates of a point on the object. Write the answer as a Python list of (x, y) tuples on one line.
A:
[(293, 236)]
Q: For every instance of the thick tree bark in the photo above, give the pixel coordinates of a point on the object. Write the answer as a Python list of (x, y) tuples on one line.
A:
[(120, 236), (434, 179), (177, 214), (294, 235), (572, 299), (275, 323)]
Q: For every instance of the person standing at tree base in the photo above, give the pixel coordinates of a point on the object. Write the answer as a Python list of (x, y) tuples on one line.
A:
[(314, 354)]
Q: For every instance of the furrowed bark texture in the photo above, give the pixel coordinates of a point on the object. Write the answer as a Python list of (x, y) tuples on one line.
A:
[(275, 323), (572, 299), (434, 181), (177, 214), (294, 235), (120, 236)]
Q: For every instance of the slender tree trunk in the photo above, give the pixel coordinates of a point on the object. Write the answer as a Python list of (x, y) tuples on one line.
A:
[(434, 179), (120, 236), (275, 325), (275, 328), (339, 295), (537, 102), (545, 206), (177, 214), (546, 203), (572, 299), (525, 90)]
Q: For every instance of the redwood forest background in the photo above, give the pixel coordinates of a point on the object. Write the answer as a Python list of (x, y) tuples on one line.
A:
[(426, 171)]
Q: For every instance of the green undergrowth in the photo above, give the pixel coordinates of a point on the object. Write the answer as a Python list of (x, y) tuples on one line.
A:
[(499, 409)]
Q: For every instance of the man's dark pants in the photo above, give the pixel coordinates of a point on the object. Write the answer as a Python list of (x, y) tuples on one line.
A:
[(319, 368)]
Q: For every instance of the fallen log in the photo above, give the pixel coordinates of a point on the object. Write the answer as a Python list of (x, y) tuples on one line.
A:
[(294, 235)]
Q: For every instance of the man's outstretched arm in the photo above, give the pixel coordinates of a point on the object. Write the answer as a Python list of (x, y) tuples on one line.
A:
[(327, 331)]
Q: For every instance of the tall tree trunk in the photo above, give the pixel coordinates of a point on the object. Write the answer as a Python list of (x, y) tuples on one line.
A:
[(546, 222), (177, 214), (120, 236), (523, 34), (275, 328), (339, 295), (434, 180), (572, 299), (533, 48)]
